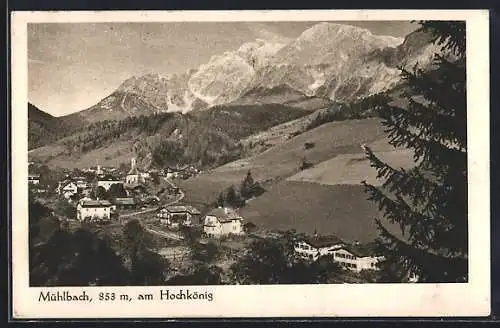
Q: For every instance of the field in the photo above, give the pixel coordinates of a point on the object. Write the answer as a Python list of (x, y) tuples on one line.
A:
[(327, 197), (351, 169), (342, 210)]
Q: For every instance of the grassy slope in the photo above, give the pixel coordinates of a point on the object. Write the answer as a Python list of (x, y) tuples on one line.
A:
[(283, 160), (341, 210), (44, 128), (351, 169), (336, 208), (233, 122)]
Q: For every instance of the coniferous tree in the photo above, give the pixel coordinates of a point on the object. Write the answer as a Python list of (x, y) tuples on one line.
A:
[(246, 187), (232, 198), (429, 201), (220, 200)]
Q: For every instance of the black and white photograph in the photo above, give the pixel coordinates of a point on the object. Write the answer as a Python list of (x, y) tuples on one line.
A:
[(170, 153)]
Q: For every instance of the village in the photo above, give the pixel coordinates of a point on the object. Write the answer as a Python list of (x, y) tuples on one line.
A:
[(107, 197)]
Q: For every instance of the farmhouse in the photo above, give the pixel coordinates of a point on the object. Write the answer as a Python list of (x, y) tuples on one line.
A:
[(222, 222), (352, 257), (178, 215), (107, 181), (88, 209), (317, 246), (357, 258), (33, 179)]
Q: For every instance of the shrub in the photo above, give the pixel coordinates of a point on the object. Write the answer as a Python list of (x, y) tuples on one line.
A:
[(304, 165), (309, 145)]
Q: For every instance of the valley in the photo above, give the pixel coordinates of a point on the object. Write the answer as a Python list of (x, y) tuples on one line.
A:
[(295, 116)]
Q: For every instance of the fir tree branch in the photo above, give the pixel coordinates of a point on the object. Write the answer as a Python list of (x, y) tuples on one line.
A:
[(432, 154), (429, 266)]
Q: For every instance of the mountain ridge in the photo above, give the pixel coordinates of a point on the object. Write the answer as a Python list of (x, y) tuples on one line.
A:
[(338, 62)]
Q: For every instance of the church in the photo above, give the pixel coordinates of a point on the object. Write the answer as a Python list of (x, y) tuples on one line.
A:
[(134, 176)]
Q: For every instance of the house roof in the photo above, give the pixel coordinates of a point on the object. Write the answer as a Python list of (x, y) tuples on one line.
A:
[(193, 210), (95, 203), (133, 171), (224, 214), (124, 201), (182, 209), (323, 241), (66, 184), (361, 250)]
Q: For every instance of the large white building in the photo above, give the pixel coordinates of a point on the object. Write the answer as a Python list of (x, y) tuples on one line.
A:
[(222, 221), (352, 257), (89, 209)]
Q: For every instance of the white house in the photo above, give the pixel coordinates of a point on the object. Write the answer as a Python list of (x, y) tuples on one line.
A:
[(88, 209), (351, 257), (134, 176), (356, 258), (67, 189), (107, 181), (317, 246), (33, 179), (222, 222), (174, 216)]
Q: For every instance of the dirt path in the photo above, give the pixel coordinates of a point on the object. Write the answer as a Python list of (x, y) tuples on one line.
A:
[(161, 233), (164, 234)]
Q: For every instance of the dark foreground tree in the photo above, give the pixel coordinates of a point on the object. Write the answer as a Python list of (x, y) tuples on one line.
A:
[(146, 267), (272, 261), (76, 259), (199, 275), (429, 201)]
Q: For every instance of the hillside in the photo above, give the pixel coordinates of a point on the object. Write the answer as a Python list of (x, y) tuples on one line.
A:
[(341, 210), (208, 138), (44, 128), (116, 106), (281, 94), (326, 197), (283, 160)]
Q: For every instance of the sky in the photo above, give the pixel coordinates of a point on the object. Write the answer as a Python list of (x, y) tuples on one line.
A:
[(72, 66)]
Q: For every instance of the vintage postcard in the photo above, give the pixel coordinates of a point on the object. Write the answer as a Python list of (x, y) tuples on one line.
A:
[(250, 164)]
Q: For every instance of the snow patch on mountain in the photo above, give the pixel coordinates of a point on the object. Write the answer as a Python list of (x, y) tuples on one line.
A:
[(328, 60), (226, 76), (319, 80)]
